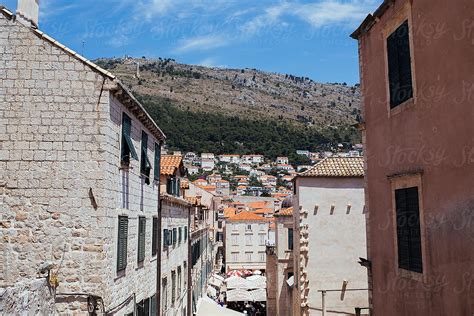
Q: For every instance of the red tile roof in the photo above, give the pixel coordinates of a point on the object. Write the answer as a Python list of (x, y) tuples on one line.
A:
[(285, 212), (247, 216), (337, 167), (169, 164)]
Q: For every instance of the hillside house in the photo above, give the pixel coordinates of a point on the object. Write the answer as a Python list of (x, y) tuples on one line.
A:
[(282, 161)]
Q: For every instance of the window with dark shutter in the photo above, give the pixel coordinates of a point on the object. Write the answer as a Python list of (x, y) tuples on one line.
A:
[(141, 239), (165, 238), (175, 236), (122, 243), (290, 238), (180, 234), (154, 239), (408, 229), (399, 65), (127, 149), (145, 164), (185, 233), (157, 162)]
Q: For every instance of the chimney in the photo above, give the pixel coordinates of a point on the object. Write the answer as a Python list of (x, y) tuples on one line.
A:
[(28, 11)]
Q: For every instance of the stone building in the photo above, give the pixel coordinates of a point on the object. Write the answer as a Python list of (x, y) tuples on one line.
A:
[(280, 272), (79, 180), (245, 236), (175, 238), (329, 238), (417, 80)]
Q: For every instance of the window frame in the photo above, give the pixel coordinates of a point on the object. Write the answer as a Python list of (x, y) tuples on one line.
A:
[(403, 181), (402, 15), (141, 236), (145, 164), (154, 237), (127, 149), (291, 238), (122, 247), (156, 172)]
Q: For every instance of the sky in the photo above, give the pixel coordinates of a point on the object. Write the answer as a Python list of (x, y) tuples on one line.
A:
[(298, 37)]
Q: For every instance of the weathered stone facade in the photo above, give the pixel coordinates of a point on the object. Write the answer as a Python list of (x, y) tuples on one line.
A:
[(62, 186)]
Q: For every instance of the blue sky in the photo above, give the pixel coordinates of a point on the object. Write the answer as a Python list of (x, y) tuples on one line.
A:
[(303, 38)]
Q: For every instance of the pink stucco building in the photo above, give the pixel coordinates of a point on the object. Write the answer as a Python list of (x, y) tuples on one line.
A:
[(417, 81)]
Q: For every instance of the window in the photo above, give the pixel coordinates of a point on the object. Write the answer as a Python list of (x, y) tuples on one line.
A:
[(122, 243), (141, 238), (248, 240), (179, 282), (235, 239), (219, 224), (175, 236), (164, 290), (156, 172), (127, 150), (408, 229), (167, 238), (262, 256), (290, 238), (262, 239), (173, 287), (180, 234), (399, 65), (145, 165), (153, 309), (185, 233), (235, 256), (248, 256), (154, 239), (173, 186), (249, 227)]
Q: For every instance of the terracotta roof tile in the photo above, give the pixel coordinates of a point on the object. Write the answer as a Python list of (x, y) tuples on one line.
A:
[(229, 212), (265, 210), (285, 212), (247, 216), (169, 164), (258, 204), (337, 167)]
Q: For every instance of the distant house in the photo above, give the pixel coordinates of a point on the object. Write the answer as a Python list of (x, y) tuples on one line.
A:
[(222, 187), (285, 167), (268, 180), (282, 160), (229, 158), (329, 236), (200, 182), (190, 157), (252, 159), (245, 167), (303, 167), (245, 237), (303, 152), (192, 170), (207, 164), (241, 189), (207, 156)]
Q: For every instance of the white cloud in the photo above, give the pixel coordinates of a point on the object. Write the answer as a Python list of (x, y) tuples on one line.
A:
[(201, 43), (317, 14)]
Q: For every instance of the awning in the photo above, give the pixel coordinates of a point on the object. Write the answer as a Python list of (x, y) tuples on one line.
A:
[(239, 295), (291, 281), (235, 282), (211, 291), (259, 295), (257, 282), (216, 280), (207, 307)]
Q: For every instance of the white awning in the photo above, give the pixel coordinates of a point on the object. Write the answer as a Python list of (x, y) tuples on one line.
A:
[(259, 295), (236, 282), (239, 295), (257, 282), (291, 281), (207, 307), (211, 291), (216, 280)]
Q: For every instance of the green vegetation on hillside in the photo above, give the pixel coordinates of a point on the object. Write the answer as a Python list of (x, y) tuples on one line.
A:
[(217, 133)]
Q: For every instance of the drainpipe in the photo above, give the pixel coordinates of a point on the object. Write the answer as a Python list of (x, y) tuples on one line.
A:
[(323, 302), (159, 250)]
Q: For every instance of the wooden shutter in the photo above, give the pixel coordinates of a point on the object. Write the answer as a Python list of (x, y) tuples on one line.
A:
[(180, 234), (290, 238), (399, 65), (408, 229), (127, 149), (165, 237), (185, 233), (141, 238), (154, 239), (122, 243), (157, 162)]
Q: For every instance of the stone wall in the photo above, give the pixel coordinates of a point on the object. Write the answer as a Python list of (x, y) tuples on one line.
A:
[(59, 150)]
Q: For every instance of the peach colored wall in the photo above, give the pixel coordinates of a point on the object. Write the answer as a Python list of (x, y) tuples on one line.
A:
[(434, 134)]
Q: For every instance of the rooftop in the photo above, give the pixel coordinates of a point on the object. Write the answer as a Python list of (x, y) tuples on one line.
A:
[(285, 212), (169, 164), (247, 216), (336, 167)]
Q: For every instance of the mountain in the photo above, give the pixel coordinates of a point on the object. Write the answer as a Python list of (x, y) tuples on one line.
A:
[(219, 109)]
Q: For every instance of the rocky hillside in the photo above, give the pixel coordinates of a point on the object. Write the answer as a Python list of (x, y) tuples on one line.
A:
[(243, 93)]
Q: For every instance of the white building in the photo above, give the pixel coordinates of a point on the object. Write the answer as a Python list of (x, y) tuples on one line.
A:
[(207, 164), (330, 236), (282, 160), (252, 159), (245, 237), (207, 156), (229, 158), (303, 152)]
